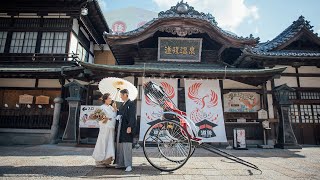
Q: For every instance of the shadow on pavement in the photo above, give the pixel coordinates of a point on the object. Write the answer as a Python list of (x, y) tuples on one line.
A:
[(56, 150), (76, 171)]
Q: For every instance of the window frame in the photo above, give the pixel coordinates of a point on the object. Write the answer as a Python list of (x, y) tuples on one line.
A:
[(3, 40), (82, 57), (53, 46), (19, 44)]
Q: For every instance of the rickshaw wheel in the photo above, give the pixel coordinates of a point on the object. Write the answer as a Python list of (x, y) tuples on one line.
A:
[(167, 146)]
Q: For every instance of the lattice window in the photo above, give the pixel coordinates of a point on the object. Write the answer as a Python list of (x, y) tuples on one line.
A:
[(3, 38), (53, 42), (82, 53), (5, 22), (310, 95), (27, 23), (293, 95), (57, 23), (306, 113), (294, 113), (23, 42), (316, 113)]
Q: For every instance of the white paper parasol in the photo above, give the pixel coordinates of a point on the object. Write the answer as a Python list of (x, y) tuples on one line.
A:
[(113, 86)]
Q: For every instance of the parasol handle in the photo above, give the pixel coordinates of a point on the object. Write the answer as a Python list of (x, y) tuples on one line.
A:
[(115, 98)]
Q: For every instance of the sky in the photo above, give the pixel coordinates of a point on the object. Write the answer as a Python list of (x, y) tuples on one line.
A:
[(263, 18)]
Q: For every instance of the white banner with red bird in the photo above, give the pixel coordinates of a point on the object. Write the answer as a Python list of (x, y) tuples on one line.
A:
[(204, 108), (151, 111)]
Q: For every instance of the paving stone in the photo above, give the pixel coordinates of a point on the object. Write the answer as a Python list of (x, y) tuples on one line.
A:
[(63, 162)]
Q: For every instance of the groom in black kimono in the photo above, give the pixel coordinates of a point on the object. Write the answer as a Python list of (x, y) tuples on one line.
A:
[(127, 111)]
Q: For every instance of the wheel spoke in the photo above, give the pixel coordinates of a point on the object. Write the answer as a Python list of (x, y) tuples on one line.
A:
[(166, 148)]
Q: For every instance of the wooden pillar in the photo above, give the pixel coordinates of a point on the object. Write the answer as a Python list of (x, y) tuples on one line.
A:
[(88, 94), (265, 97), (221, 92)]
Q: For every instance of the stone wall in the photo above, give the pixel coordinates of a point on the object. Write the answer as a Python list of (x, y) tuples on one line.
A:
[(24, 136)]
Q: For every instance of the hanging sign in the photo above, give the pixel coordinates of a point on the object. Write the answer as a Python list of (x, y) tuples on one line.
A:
[(179, 49), (25, 99), (42, 99)]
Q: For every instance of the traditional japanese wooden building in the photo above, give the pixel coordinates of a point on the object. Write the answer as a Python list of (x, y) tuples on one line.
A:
[(38, 42), (35, 61), (298, 48), (139, 54)]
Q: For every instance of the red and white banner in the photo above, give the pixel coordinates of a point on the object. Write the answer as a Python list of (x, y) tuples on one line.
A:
[(204, 108), (149, 110)]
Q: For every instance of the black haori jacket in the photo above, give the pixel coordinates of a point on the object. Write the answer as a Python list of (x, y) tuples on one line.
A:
[(128, 112)]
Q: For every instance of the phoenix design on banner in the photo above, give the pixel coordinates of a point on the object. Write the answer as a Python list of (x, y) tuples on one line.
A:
[(203, 115)]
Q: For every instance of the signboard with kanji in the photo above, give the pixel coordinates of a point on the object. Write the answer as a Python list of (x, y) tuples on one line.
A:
[(262, 114), (179, 49), (42, 99), (25, 99)]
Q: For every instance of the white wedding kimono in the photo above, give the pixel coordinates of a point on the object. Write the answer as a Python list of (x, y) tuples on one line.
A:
[(104, 151)]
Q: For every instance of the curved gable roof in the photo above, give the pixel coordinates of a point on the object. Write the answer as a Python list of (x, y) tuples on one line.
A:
[(182, 15), (273, 47)]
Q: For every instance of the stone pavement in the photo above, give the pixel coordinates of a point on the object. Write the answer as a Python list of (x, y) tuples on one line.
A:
[(62, 162)]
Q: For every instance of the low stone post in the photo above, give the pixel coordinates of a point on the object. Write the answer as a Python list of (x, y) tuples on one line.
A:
[(56, 117)]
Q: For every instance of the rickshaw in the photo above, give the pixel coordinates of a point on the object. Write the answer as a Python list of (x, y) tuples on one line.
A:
[(169, 142)]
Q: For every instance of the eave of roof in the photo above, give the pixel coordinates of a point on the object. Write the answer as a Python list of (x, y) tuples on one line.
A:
[(181, 69), (39, 70), (283, 53)]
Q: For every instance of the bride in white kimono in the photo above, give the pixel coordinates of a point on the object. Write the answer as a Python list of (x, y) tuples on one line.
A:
[(104, 151)]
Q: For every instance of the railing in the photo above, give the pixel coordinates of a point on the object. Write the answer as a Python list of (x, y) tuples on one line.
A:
[(26, 117)]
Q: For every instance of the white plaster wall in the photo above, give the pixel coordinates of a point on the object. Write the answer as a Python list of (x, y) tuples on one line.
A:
[(75, 26), (230, 84), (130, 79), (289, 69), (91, 59), (138, 112), (290, 81), (91, 47), (73, 44), (309, 69), (269, 85), (270, 106), (309, 81), (139, 81), (51, 83), (4, 15), (27, 15), (13, 82)]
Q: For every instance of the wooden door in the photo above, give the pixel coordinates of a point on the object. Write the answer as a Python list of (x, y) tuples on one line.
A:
[(305, 123)]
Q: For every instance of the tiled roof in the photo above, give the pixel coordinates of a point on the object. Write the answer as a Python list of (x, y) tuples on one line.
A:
[(158, 68), (284, 53), (39, 67), (185, 11), (267, 48)]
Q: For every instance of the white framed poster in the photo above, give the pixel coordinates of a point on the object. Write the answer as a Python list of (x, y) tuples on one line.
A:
[(85, 121), (239, 138), (241, 102)]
